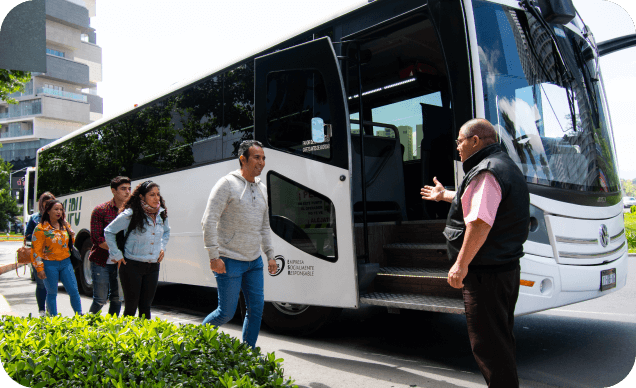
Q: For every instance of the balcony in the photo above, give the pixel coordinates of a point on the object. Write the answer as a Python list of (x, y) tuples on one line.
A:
[(16, 130), (28, 91), (59, 93), (66, 70), (24, 108), (67, 13)]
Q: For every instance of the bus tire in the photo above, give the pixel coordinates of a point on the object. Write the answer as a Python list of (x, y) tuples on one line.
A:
[(288, 318), (83, 271)]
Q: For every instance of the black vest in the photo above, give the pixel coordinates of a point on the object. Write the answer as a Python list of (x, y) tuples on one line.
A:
[(504, 245)]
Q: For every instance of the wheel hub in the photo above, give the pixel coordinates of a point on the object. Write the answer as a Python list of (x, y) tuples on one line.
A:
[(290, 308), (86, 269)]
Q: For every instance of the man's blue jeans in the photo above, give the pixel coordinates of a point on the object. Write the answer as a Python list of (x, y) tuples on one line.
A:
[(105, 288), (57, 271), (248, 277)]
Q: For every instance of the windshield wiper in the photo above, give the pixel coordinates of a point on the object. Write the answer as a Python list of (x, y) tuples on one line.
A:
[(565, 74)]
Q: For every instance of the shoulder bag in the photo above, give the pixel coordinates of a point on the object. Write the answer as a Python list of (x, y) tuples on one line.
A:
[(75, 253), (121, 238), (24, 254)]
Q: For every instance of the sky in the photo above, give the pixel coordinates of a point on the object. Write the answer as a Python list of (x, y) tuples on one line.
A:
[(150, 45)]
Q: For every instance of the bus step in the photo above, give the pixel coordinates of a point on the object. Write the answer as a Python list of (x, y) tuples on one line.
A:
[(429, 231), (414, 302), (429, 273), (416, 246), (416, 255)]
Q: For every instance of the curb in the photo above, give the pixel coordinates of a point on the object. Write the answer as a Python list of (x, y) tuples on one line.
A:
[(5, 308)]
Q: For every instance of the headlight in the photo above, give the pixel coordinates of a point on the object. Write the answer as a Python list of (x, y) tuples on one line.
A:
[(538, 232)]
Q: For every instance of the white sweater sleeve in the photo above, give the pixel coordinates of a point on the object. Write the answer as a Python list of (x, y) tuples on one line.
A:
[(217, 203)]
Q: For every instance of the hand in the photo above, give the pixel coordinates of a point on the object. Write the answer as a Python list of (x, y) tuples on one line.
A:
[(103, 245), (217, 265), (41, 275), (456, 275), (160, 256), (430, 193), (272, 267), (120, 262)]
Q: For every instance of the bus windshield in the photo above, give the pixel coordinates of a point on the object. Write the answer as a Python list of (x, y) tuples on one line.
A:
[(550, 114)]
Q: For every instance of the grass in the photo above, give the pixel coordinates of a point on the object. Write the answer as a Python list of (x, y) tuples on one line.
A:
[(12, 236)]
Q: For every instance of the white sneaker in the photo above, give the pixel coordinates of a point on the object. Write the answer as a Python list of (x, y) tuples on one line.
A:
[(43, 313)]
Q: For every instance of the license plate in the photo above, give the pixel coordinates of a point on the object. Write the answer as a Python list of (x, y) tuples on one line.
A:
[(608, 279)]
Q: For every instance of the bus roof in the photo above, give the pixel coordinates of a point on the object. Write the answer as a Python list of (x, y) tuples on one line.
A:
[(196, 77)]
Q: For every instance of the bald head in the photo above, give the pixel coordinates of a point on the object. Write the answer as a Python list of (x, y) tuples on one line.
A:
[(480, 128)]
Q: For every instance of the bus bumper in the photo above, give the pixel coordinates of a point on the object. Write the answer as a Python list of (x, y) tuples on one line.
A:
[(549, 285)]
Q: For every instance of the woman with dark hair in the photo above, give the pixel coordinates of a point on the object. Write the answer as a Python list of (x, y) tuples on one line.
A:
[(52, 246), (144, 220), (40, 288)]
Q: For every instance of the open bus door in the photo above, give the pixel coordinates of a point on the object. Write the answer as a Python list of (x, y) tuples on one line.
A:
[(302, 119), (29, 196)]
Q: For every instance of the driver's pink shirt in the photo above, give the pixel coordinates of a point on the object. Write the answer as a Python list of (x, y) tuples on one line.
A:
[(481, 198)]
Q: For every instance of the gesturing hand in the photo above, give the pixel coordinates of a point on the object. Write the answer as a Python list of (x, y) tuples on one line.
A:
[(431, 193), (217, 265)]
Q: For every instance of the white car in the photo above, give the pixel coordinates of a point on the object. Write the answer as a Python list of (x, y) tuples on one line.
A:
[(629, 201)]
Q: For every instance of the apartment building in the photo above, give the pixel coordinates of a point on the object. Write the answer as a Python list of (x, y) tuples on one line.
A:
[(64, 98)]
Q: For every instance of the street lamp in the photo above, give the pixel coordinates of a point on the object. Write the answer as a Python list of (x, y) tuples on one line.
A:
[(13, 172), (10, 175)]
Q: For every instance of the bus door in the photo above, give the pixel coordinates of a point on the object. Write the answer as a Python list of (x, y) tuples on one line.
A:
[(301, 118)]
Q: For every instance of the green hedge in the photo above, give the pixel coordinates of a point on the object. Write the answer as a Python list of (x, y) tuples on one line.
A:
[(630, 230), (105, 351)]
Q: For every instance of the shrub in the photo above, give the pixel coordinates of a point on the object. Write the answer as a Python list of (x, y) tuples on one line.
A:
[(632, 209), (105, 351), (630, 230)]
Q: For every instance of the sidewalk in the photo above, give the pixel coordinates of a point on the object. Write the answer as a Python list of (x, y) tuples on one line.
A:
[(5, 309)]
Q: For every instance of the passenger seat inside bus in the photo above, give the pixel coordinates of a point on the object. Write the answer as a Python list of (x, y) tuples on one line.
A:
[(384, 179)]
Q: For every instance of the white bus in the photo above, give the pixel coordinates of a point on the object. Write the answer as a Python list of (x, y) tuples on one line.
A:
[(348, 223)]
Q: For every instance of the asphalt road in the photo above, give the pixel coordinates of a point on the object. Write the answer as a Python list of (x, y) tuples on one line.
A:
[(590, 344)]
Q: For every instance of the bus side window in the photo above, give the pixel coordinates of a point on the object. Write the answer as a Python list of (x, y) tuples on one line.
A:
[(302, 217)]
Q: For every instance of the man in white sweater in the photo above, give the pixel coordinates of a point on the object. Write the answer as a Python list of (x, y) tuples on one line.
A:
[(235, 229)]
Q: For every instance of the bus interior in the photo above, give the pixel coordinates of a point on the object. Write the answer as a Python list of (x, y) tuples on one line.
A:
[(408, 127), (408, 121)]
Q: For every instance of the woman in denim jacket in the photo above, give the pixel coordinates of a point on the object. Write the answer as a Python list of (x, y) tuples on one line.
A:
[(145, 221)]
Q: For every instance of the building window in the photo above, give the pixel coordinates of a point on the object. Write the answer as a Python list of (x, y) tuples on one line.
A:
[(16, 129), (23, 108), (54, 88), (84, 37), (55, 52)]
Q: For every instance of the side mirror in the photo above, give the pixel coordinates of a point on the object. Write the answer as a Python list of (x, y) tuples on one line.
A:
[(317, 130)]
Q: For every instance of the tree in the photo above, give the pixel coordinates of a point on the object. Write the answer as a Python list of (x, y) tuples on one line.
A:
[(12, 81), (8, 205), (629, 188)]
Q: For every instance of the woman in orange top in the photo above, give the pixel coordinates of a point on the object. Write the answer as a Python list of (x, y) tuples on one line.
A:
[(52, 244)]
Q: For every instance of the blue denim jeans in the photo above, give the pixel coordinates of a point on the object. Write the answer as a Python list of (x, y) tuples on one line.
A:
[(57, 271), (248, 277), (105, 287), (40, 293)]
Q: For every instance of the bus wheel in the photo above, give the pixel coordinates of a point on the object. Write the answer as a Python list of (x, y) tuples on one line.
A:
[(299, 319), (85, 278)]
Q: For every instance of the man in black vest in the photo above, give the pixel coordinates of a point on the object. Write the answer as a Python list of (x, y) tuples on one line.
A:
[(485, 231)]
